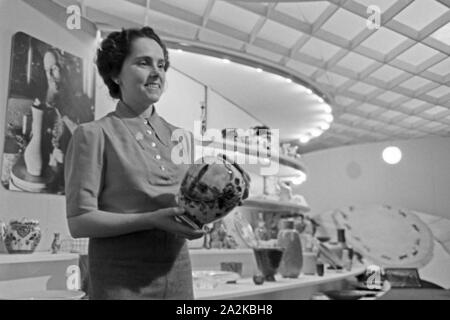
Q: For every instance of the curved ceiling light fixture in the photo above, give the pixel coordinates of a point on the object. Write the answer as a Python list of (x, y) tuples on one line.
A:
[(261, 66), (258, 65)]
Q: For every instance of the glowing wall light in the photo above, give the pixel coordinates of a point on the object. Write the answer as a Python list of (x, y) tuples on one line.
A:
[(392, 155)]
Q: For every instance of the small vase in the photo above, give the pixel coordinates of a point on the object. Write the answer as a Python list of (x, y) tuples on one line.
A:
[(22, 236), (309, 263), (32, 154), (292, 261)]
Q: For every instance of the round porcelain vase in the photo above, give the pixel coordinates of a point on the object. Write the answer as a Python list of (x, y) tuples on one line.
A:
[(22, 236)]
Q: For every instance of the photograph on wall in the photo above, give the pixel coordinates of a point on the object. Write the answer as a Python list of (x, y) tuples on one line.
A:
[(50, 93)]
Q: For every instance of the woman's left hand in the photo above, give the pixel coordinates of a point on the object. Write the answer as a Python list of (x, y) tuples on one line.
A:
[(165, 219)]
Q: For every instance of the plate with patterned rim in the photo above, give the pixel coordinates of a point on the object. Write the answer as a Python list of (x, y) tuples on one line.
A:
[(388, 236)]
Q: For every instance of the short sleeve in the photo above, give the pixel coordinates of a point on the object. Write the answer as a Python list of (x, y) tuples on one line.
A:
[(83, 169)]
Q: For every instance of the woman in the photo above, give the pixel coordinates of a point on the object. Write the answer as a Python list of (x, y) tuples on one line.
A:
[(121, 182)]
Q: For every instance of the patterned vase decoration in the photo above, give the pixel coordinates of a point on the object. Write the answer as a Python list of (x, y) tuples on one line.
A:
[(2, 230), (22, 236), (211, 189)]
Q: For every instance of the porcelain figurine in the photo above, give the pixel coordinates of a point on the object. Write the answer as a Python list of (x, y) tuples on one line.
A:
[(56, 243), (285, 191), (22, 236), (211, 189)]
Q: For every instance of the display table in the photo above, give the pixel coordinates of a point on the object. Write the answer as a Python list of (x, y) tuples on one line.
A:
[(36, 271), (417, 294), (301, 288), (6, 258)]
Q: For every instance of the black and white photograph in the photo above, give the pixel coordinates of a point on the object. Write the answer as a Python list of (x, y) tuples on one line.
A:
[(231, 156), (46, 102)]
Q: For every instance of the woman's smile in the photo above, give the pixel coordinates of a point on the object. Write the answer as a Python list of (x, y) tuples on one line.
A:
[(143, 76), (153, 85)]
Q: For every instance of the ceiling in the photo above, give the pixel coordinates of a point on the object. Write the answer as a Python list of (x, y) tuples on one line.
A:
[(270, 99), (383, 84)]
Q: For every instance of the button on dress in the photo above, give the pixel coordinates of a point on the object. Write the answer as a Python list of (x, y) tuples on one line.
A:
[(114, 165)]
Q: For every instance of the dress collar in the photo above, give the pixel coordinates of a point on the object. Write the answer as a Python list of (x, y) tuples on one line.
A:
[(159, 125)]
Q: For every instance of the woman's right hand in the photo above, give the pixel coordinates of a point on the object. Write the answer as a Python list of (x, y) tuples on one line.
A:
[(164, 219)]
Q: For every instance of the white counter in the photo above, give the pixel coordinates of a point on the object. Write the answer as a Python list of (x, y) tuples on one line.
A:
[(35, 271), (6, 258), (282, 289)]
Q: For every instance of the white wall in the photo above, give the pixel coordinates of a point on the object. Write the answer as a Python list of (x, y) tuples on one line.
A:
[(181, 105), (182, 100), (358, 175), (17, 16), (421, 182), (223, 113)]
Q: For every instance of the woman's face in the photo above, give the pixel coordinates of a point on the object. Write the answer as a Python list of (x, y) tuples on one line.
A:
[(142, 77)]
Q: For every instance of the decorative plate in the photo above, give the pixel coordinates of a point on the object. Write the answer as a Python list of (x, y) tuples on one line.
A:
[(390, 237)]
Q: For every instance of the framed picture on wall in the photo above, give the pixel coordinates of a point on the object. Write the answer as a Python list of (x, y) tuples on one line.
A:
[(50, 93)]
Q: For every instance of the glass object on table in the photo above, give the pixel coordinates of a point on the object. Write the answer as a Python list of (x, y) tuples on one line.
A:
[(268, 261), (289, 239), (261, 231)]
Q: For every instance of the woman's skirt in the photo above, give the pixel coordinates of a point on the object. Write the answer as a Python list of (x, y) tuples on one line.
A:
[(143, 265)]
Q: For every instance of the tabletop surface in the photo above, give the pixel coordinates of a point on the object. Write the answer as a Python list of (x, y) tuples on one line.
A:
[(245, 287), (416, 294)]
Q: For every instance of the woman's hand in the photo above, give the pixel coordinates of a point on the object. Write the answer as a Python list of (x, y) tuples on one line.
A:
[(164, 219), (99, 224)]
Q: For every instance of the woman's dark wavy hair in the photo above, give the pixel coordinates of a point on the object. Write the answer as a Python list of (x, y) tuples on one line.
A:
[(115, 49)]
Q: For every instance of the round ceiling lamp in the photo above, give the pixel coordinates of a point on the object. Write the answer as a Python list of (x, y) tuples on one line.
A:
[(392, 155)]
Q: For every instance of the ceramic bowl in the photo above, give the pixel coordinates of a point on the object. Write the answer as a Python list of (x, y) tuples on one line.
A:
[(22, 236), (211, 189), (268, 260)]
